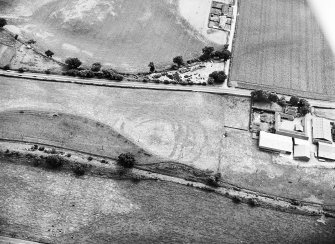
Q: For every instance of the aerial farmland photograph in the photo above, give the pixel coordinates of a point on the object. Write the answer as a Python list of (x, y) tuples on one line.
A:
[(167, 121)]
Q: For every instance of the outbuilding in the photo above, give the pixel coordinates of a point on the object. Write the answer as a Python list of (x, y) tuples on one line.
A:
[(275, 142), (322, 130), (326, 151), (302, 152)]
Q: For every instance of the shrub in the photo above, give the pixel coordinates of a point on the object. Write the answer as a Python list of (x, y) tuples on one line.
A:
[(3, 22), (99, 74), (72, 72), (176, 77), (157, 81), (294, 101), (117, 77), (21, 70), (212, 182), (236, 199), (6, 67), (225, 54), (206, 53), (304, 110), (152, 67), (31, 41), (145, 80), (273, 97), (89, 158), (73, 63), (79, 169), (68, 155), (47, 71), (253, 202), (49, 53), (282, 101), (260, 96), (210, 81), (96, 67), (218, 76), (41, 148), (126, 160), (169, 76), (204, 83), (54, 162), (166, 82), (178, 60)]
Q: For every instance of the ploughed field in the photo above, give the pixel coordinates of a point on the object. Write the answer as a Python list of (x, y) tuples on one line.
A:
[(279, 46), (56, 207), (124, 34)]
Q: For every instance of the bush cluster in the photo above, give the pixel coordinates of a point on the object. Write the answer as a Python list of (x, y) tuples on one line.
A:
[(79, 169), (54, 162), (209, 53), (218, 76), (126, 160)]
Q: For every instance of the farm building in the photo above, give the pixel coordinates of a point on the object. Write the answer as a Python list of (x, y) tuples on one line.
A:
[(218, 5), (321, 130), (274, 142), (287, 125), (326, 151), (302, 152)]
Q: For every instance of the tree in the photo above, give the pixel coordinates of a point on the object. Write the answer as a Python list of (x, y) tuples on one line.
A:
[(152, 67), (206, 53), (294, 101), (260, 96), (282, 101), (96, 67), (126, 160), (273, 97), (224, 54), (73, 63), (218, 76), (210, 81), (54, 162), (49, 53), (3, 22), (304, 107), (178, 60)]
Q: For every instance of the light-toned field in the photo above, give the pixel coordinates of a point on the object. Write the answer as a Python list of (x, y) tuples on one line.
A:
[(71, 132), (181, 126), (124, 34), (279, 44), (17, 55), (58, 208)]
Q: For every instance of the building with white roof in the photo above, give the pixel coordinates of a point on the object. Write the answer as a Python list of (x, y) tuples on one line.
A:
[(326, 151), (302, 152), (321, 129), (275, 142)]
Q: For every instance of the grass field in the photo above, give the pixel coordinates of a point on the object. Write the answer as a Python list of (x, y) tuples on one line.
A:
[(124, 34), (59, 208), (69, 131), (279, 45), (181, 126)]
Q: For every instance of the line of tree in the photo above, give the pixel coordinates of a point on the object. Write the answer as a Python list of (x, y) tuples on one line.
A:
[(303, 105)]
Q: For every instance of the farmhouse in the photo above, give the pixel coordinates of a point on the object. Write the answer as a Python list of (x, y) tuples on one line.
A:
[(321, 130), (274, 142), (222, 13)]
